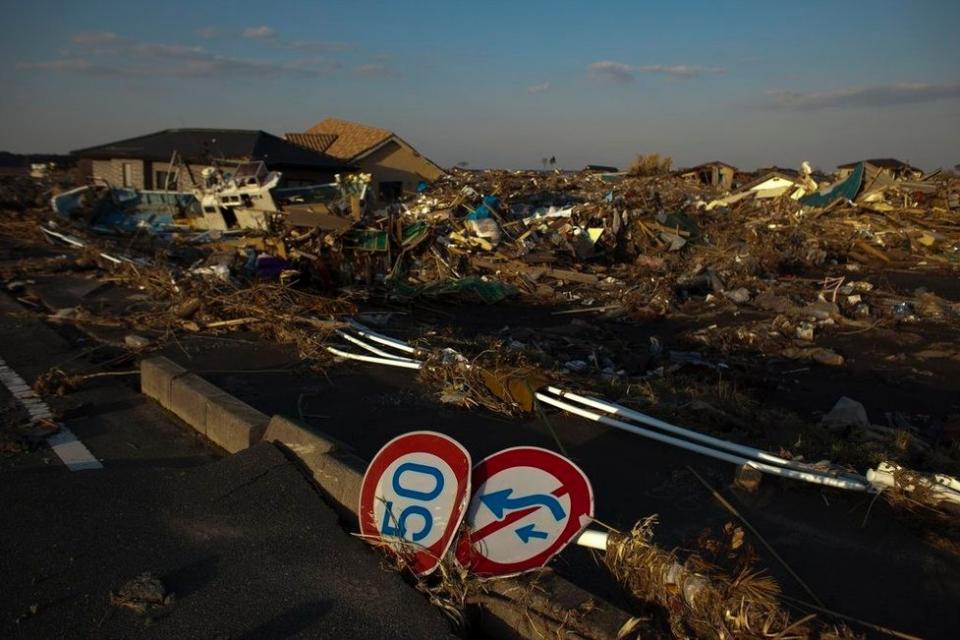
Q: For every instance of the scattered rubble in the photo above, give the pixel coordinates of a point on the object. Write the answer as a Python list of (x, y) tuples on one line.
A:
[(758, 278), (144, 594)]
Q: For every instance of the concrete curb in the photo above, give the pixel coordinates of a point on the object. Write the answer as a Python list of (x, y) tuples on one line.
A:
[(529, 607), (222, 418)]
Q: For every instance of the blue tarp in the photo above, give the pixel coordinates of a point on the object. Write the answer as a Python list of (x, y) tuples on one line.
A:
[(486, 208), (847, 188)]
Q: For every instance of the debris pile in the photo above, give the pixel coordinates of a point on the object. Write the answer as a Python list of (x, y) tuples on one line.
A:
[(144, 594)]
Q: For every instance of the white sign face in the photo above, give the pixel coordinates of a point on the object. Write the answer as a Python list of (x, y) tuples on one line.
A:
[(518, 490), (528, 504), (415, 497)]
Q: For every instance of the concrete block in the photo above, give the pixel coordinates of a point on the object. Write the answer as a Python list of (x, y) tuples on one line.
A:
[(189, 395), (545, 605), (156, 377), (232, 424), (299, 438), (339, 474), (747, 479)]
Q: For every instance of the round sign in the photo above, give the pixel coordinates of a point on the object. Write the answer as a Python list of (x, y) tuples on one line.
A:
[(528, 504), (413, 496)]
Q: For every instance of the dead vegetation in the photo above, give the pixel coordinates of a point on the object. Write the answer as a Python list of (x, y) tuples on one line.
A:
[(652, 164), (701, 601)]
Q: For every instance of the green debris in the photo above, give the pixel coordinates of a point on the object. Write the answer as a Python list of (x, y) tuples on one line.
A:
[(474, 287), (846, 188)]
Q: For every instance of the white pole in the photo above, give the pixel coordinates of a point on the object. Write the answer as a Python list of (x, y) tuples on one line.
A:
[(376, 337), (807, 476), (407, 364), (593, 539), (749, 452), (369, 347), (882, 477)]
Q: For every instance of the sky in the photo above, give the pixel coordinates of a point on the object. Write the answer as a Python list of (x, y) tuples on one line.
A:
[(500, 84)]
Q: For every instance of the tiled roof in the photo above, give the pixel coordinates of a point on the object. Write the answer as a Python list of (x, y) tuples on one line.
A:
[(313, 141), (352, 138)]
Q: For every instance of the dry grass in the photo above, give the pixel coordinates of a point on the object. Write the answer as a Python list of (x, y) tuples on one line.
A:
[(700, 600), (651, 164)]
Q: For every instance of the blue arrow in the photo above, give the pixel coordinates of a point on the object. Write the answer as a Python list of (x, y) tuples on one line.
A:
[(500, 501), (529, 531)]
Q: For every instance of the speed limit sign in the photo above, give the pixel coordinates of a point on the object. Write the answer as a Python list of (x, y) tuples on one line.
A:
[(414, 495)]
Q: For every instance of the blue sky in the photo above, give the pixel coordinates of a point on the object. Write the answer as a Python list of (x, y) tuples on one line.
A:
[(500, 83)]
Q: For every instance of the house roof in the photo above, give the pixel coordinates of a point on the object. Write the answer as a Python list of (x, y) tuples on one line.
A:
[(709, 164), (768, 176), (204, 145), (884, 163), (316, 141), (784, 171), (352, 138)]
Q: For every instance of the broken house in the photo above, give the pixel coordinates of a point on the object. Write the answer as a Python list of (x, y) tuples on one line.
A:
[(893, 168), (716, 174), (396, 167), (174, 159)]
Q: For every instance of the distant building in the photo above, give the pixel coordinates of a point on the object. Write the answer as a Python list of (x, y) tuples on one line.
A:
[(890, 166), (145, 162), (817, 175), (717, 174), (395, 165), (601, 168)]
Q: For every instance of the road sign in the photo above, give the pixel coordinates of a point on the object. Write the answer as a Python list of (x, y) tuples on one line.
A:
[(414, 495), (527, 504)]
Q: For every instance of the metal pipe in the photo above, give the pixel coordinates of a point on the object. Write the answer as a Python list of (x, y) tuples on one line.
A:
[(376, 337), (407, 364), (747, 451), (369, 347), (807, 476), (593, 539)]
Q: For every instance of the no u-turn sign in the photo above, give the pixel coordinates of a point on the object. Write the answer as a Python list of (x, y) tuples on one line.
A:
[(528, 504)]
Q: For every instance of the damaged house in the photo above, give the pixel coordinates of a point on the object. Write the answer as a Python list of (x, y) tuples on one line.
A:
[(715, 174), (893, 168), (396, 167), (174, 159)]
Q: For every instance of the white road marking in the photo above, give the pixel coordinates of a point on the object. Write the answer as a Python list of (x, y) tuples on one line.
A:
[(64, 443)]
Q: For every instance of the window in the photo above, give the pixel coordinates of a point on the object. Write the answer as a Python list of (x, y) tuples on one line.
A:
[(165, 180), (127, 174), (390, 191)]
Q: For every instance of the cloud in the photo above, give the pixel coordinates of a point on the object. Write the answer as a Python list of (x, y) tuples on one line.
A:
[(66, 64), (206, 32), (856, 97), (168, 51), (97, 38), (108, 54), (374, 70), (678, 70), (319, 65), (539, 88), (316, 45), (269, 36), (623, 73), (263, 32), (148, 60), (610, 70)]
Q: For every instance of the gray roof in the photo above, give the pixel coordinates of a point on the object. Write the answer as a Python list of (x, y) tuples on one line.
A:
[(885, 163), (204, 145)]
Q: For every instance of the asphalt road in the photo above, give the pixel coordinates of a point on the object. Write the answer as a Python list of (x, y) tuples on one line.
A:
[(245, 542), (871, 566)]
